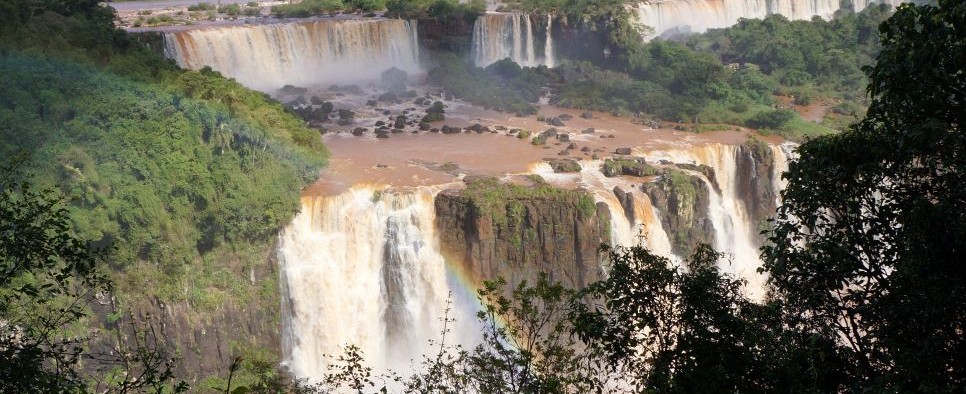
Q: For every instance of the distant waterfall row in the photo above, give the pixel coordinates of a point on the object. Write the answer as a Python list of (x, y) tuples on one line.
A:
[(671, 17), (497, 36), (266, 57), (365, 267)]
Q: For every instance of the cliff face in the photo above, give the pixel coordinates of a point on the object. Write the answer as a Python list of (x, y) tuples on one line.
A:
[(686, 200), (204, 340), (521, 236), (450, 35), (755, 168)]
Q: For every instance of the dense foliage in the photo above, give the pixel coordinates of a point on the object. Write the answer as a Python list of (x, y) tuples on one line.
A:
[(185, 175), (730, 75), (47, 276), (868, 244), (440, 9), (503, 85)]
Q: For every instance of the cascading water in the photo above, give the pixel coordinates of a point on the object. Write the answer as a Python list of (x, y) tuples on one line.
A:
[(364, 267), (671, 17), (361, 268), (266, 57), (497, 36)]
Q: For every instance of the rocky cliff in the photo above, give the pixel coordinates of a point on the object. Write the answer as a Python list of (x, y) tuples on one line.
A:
[(685, 198), (755, 171), (516, 232)]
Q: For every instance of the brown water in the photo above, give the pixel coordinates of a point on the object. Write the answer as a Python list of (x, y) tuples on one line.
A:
[(422, 159)]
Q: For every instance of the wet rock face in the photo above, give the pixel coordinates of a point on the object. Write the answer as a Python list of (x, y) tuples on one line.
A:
[(558, 235), (755, 168), (686, 200)]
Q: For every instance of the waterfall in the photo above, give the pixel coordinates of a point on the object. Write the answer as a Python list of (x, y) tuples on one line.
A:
[(361, 268), (548, 46), (671, 17), (266, 57), (497, 36)]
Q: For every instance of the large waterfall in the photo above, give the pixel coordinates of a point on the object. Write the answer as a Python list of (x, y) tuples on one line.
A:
[(670, 17), (497, 36), (266, 57), (361, 268), (364, 267)]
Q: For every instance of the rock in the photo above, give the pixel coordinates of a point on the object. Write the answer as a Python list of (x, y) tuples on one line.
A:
[(556, 121), (382, 134), (564, 152), (635, 166), (623, 151), (397, 130), (434, 130), (549, 133), (627, 203), (565, 117), (500, 128), (558, 235), (358, 131), (423, 126), (564, 165), (585, 149), (589, 130), (372, 103), (386, 112), (587, 115), (572, 146), (563, 137), (400, 122), (686, 201), (380, 123), (610, 136)]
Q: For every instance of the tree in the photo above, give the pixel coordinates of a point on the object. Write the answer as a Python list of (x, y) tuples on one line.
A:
[(868, 244), (47, 278), (690, 328)]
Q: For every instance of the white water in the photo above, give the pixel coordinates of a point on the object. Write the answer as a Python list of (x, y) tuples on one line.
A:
[(365, 269), (357, 270), (672, 17), (734, 230), (497, 36), (266, 57)]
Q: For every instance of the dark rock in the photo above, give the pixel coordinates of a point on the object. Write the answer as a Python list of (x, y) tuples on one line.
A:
[(372, 103), (585, 149), (686, 201), (564, 165), (382, 134), (564, 152), (572, 146), (380, 123), (434, 130), (400, 122), (627, 202), (397, 130), (555, 235), (556, 121), (549, 133), (565, 117), (358, 131), (635, 166), (623, 151), (587, 115), (589, 130), (563, 137)]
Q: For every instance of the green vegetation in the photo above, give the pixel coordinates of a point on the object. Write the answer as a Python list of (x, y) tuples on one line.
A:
[(504, 85), (627, 166), (868, 240), (47, 277), (186, 175), (440, 9), (409, 9)]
